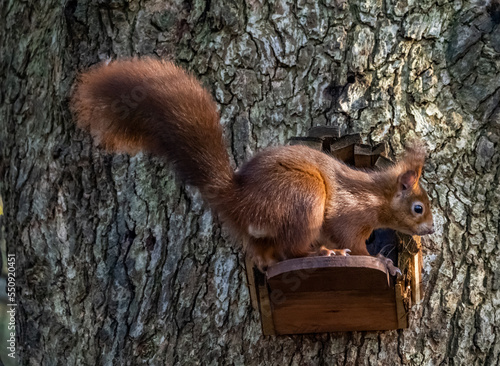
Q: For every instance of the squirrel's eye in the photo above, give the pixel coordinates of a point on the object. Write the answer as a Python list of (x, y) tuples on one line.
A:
[(418, 209)]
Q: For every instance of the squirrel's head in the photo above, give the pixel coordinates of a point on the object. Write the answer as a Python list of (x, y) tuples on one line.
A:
[(410, 203)]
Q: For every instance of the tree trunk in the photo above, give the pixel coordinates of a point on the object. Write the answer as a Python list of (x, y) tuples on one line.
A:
[(118, 264)]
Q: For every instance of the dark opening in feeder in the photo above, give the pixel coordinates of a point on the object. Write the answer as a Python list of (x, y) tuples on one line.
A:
[(354, 293)]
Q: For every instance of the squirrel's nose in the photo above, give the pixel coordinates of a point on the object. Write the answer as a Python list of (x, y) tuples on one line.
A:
[(427, 229)]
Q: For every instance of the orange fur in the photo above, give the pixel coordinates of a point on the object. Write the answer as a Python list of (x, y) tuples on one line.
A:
[(284, 202)]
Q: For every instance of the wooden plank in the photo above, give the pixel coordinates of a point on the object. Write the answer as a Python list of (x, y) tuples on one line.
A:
[(365, 156), (312, 142), (325, 132), (314, 312), (347, 140), (266, 314), (345, 154), (362, 156), (410, 263), (410, 254), (249, 268), (416, 279), (343, 148), (324, 261), (314, 274), (402, 314)]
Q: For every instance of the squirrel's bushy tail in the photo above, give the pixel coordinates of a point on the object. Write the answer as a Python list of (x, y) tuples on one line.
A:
[(155, 106)]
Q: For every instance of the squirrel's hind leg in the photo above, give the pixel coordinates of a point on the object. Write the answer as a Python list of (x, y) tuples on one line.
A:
[(263, 252)]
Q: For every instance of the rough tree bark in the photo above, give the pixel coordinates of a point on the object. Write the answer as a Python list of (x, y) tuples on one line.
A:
[(119, 264)]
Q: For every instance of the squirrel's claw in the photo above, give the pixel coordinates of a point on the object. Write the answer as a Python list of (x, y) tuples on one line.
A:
[(393, 270), (343, 252)]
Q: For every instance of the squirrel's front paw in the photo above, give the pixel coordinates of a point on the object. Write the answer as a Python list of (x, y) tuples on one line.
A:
[(325, 252), (393, 270), (342, 252)]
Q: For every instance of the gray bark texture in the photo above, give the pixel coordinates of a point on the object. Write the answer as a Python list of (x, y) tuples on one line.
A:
[(119, 264)]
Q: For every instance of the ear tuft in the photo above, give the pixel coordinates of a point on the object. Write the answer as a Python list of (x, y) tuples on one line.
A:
[(414, 157), (415, 152), (408, 179)]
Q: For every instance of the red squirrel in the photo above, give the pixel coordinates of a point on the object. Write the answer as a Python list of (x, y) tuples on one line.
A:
[(284, 202)]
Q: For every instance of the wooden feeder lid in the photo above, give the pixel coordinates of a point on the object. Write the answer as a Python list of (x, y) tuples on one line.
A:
[(327, 294)]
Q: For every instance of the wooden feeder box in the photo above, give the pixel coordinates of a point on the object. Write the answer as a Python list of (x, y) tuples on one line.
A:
[(353, 293)]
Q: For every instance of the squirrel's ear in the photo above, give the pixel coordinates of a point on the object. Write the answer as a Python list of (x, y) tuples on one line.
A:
[(408, 180), (412, 165)]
